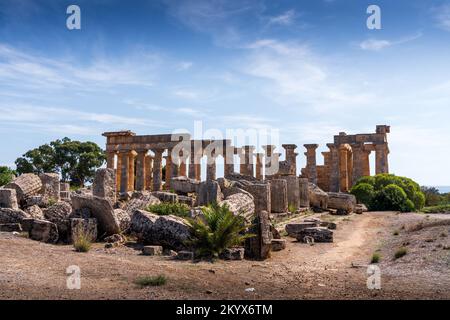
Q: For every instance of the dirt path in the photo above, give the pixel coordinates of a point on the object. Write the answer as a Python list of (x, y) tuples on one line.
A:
[(33, 270)]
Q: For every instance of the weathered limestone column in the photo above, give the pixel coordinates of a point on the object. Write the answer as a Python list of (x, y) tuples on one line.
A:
[(278, 195), (349, 167), (132, 156), (119, 171), (183, 168), (228, 159), (141, 170), (311, 162), (248, 151), (293, 190), (148, 171), (259, 165), (304, 192), (366, 162), (242, 166), (211, 166), (110, 160), (175, 164), (358, 171), (124, 171), (271, 162), (381, 155), (157, 169), (168, 173), (343, 169), (291, 157), (334, 168)]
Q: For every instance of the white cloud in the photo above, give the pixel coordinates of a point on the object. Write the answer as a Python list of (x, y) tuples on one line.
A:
[(183, 66), (285, 19), (442, 16), (378, 45), (298, 77)]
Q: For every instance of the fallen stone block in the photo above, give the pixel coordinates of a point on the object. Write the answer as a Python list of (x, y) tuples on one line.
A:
[(278, 244), (101, 209), (319, 234), (50, 186), (25, 185), (185, 255), (152, 250), (360, 208), (44, 231), (317, 197), (293, 229), (140, 201), (8, 199), (344, 203), (35, 212), (116, 238), (168, 231), (10, 227), (124, 219), (166, 196), (329, 225), (184, 185), (209, 192), (8, 215), (233, 254), (186, 200), (259, 246), (293, 191), (83, 227), (104, 185), (241, 204), (261, 196), (59, 214)]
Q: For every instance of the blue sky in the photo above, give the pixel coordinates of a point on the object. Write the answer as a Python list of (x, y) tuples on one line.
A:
[(309, 68)]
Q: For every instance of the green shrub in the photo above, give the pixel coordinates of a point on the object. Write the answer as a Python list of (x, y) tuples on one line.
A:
[(376, 257), (437, 209), (165, 209), (151, 281), (389, 192), (6, 175), (217, 229), (400, 253), (292, 208), (364, 193)]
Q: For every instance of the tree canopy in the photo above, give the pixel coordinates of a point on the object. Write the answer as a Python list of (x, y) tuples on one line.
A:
[(75, 161)]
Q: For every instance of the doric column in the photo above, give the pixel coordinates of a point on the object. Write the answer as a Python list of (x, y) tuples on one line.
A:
[(259, 165), (124, 169), (242, 165), (291, 157), (366, 162), (140, 170), (148, 171), (358, 171), (334, 168), (311, 163), (110, 160), (270, 163), (119, 171), (131, 180), (157, 169), (228, 159), (211, 166), (248, 158), (168, 173), (343, 169), (381, 155)]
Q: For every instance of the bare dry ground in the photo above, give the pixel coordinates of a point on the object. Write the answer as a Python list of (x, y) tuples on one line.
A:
[(33, 270)]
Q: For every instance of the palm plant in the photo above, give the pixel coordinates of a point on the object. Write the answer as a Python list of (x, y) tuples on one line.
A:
[(216, 230)]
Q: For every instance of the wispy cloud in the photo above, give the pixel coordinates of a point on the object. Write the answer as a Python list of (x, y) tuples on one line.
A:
[(284, 19), (379, 44), (298, 77), (442, 16)]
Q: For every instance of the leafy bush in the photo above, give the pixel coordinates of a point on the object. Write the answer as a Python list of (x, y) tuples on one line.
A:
[(82, 242), (216, 230), (364, 192), (389, 192), (6, 175), (151, 281), (166, 208), (437, 209)]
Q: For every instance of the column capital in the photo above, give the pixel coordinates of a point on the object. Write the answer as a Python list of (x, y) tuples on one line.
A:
[(311, 146)]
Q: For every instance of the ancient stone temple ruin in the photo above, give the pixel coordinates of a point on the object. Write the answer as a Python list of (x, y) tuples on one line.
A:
[(347, 159), (138, 160)]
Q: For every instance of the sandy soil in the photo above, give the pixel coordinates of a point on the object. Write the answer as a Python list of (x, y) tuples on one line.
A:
[(33, 270)]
